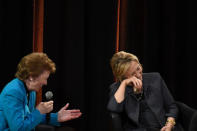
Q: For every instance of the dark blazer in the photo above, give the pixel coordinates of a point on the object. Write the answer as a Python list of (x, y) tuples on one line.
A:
[(156, 94)]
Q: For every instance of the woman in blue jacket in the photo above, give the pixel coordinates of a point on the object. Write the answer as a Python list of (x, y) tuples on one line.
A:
[(17, 99)]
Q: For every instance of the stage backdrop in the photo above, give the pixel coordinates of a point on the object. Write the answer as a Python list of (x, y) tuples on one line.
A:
[(80, 37), (16, 20)]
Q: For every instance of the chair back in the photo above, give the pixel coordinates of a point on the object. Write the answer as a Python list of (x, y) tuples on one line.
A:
[(185, 116)]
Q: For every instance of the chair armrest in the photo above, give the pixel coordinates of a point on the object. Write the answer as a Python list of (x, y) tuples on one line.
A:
[(193, 125), (44, 127)]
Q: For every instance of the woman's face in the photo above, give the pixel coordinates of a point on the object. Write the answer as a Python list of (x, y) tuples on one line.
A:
[(37, 82), (135, 69)]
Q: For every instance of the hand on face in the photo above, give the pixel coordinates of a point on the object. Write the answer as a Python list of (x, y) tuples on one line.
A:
[(66, 115), (134, 76), (45, 107), (135, 82)]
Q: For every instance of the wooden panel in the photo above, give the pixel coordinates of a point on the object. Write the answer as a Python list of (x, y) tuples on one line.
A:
[(38, 21), (118, 27), (123, 24)]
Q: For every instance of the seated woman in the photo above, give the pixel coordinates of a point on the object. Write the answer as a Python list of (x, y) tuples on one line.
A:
[(143, 97), (18, 109)]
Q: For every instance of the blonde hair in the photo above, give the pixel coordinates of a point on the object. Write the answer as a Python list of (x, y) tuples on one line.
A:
[(33, 65), (120, 62)]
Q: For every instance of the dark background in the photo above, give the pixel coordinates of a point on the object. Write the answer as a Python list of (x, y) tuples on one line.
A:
[(80, 37)]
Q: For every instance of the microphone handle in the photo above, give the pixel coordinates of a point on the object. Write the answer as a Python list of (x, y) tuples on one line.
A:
[(48, 117)]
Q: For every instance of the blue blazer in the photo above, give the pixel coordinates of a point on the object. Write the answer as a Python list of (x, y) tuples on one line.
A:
[(157, 95), (16, 113)]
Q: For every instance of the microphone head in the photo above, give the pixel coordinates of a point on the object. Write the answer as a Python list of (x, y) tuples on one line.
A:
[(49, 95)]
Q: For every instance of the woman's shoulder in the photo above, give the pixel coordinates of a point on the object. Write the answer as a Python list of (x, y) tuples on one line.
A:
[(152, 75), (14, 88)]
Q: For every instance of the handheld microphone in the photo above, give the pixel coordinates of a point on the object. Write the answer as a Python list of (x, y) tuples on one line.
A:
[(49, 96)]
